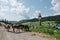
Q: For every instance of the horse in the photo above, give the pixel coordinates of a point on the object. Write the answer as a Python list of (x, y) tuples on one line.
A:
[(26, 27), (7, 27), (20, 26)]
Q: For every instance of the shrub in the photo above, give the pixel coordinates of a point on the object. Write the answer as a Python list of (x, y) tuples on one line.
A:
[(50, 31)]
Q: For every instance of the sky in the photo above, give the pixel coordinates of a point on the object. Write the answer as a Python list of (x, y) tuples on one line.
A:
[(15, 10)]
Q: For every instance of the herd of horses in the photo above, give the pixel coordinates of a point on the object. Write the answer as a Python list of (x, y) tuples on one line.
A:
[(16, 26)]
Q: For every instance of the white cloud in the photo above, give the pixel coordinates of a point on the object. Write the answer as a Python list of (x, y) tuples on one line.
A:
[(37, 11), (2, 15), (56, 6), (57, 14), (12, 2), (4, 8), (35, 14), (4, 1), (14, 10), (17, 9)]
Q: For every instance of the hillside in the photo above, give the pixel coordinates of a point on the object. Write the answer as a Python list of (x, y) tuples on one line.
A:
[(49, 18)]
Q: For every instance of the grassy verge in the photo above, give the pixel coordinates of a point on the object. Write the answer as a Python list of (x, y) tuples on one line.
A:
[(47, 30)]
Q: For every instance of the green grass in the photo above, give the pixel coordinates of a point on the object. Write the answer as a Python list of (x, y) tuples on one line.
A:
[(44, 29), (48, 30), (46, 22), (57, 34)]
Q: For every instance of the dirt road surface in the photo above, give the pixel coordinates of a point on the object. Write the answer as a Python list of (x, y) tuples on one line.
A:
[(4, 35)]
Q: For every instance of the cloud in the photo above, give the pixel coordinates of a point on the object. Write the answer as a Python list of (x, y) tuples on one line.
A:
[(35, 14), (56, 13), (13, 9), (20, 9), (56, 6), (1, 16), (4, 8)]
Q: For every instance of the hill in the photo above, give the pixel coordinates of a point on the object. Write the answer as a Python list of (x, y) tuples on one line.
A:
[(49, 18)]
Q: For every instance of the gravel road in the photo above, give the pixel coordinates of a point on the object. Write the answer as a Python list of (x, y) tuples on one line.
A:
[(4, 35)]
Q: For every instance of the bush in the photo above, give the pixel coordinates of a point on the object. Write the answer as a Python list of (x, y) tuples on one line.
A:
[(50, 31)]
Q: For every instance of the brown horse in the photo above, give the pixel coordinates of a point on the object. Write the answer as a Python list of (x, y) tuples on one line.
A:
[(25, 27), (6, 26)]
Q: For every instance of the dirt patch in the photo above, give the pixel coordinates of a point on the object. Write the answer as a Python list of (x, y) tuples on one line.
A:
[(43, 35)]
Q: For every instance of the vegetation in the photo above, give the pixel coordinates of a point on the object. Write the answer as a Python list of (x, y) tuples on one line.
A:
[(35, 27), (48, 30), (56, 19), (44, 29)]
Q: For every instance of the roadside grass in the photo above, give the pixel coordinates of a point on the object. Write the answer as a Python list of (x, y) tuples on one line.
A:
[(45, 29), (57, 34), (42, 29)]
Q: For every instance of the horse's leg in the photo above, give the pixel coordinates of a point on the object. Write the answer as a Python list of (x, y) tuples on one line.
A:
[(19, 30), (27, 28), (8, 29), (13, 29)]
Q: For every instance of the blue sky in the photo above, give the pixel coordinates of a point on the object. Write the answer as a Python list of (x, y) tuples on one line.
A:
[(15, 10)]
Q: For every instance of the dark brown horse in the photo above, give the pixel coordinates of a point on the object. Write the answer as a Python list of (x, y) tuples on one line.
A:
[(25, 27)]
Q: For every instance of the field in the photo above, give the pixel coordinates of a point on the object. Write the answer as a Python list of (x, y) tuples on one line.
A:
[(35, 27)]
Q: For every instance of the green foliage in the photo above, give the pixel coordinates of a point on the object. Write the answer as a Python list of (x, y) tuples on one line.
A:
[(57, 34), (49, 18), (45, 20), (44, 29), (50, 31)]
